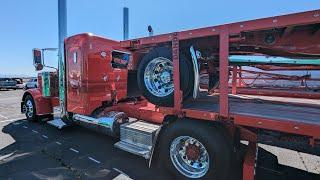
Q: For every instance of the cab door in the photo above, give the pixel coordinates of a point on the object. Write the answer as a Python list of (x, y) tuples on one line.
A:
[(74, 80)]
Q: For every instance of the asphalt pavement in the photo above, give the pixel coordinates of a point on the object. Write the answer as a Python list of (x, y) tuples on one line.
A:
[(10, 104), (39, 151)]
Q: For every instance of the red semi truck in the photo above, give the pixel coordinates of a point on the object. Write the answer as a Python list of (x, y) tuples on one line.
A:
[(155, 80)]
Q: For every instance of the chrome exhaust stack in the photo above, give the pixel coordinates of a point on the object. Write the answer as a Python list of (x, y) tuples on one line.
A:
[(125, 23), (109, 125)]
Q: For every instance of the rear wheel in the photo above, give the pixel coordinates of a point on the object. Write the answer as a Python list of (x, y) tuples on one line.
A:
[(193, 150), (30, 109), (155, 76)]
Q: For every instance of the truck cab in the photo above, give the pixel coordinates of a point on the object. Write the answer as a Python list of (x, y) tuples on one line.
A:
[(96, 72)]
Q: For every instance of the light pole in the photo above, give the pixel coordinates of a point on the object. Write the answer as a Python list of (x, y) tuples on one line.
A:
[(62, 32)]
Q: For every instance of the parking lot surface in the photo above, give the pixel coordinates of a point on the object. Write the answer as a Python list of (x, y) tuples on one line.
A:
[(39, 151), (10, 104)]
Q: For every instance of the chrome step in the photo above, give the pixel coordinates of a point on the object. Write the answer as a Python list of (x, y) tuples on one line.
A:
[(138, 137), (58, 123), (134, 149)]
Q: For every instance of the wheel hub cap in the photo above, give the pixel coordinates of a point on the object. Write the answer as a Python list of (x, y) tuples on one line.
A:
[(158, 77), (165, 77), (29, 109), (189, 156), (192, 152)]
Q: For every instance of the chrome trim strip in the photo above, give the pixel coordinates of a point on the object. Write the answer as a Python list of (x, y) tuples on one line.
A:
[(196, 72), (119, 51)]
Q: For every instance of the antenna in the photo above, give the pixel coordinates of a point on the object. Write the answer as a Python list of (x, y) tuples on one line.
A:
[(125, 23), (150, 30)]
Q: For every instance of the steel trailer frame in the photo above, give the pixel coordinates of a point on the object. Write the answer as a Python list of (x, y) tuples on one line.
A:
[(239, 87), (224, 114), (224, 31)]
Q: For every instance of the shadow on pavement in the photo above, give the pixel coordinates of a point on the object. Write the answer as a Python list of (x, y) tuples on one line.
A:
[(23, 159), (32, 156), (268, 168)]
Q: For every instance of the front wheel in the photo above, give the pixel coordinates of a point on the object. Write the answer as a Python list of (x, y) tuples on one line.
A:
[(194, 150), (30, 109)]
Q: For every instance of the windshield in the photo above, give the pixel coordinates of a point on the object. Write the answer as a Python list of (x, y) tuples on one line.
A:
[(50, 60)]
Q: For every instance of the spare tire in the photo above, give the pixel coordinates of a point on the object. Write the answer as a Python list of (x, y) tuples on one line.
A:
[(155, 76)]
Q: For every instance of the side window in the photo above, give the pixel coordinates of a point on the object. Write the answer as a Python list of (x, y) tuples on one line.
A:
[(120, 59)]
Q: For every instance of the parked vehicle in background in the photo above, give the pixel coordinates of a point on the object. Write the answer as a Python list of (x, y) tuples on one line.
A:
[(8, 83), (32, 83), (20, 84)]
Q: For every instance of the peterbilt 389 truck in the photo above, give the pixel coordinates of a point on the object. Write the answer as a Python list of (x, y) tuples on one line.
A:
[(145, 92)]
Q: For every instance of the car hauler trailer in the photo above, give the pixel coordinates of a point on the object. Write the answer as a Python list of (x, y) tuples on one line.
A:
[(155, 80)]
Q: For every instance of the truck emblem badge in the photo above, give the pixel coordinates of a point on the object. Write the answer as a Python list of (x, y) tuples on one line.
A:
[(103, 54), (105, 78)]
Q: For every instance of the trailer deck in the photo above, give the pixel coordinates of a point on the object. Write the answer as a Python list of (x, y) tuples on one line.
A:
[(298, 112), (285, 109), (290, 115)]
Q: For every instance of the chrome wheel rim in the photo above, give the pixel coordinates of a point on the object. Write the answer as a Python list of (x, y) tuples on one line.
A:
[(158, 77), (29, 109), (190, 162)]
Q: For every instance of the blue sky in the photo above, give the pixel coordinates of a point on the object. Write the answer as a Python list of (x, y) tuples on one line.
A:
[(33, 23)]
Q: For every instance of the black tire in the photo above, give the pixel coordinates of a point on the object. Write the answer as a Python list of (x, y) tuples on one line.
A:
[(34, 116), (217, 146), (186, 76)]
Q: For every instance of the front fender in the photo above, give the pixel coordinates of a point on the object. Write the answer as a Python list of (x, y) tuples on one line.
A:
[(43, 105)]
